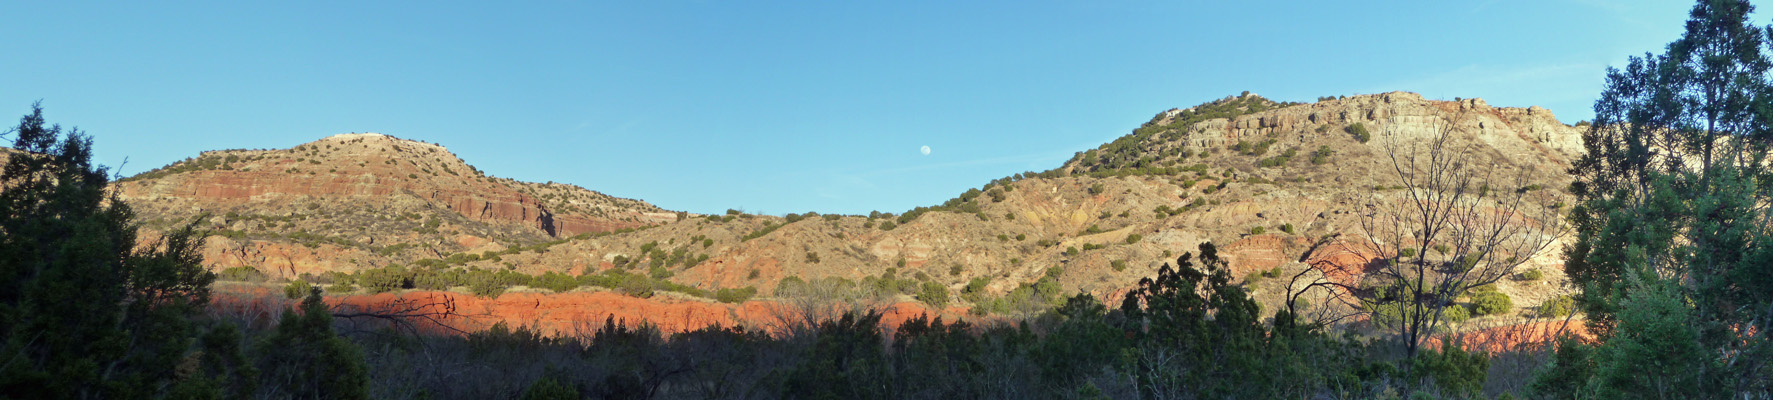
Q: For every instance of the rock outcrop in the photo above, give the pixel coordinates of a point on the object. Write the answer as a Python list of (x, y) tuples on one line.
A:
[(354, 201)]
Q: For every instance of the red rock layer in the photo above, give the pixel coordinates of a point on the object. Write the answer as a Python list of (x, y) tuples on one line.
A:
[(575, 313)]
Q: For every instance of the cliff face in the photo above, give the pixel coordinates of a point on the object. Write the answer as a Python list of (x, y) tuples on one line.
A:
[(1102, 221), (369, 166), (1527, 135), (348, 201)]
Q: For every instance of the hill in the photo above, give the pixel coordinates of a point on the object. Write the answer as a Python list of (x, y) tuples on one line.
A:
[(1276, 185), (354, 200)]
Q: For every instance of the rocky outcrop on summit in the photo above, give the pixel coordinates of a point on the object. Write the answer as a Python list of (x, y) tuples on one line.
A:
[(1404, 114)]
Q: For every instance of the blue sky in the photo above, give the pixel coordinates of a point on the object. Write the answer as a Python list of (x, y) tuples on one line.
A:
[(774, 108)]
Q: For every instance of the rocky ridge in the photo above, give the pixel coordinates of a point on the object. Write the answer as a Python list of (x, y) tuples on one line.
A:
[(1099, 223), (351, 200)]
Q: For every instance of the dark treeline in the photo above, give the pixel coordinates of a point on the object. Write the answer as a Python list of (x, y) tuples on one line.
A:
[(1188, 333)]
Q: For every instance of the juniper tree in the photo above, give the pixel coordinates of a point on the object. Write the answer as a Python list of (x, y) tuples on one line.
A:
[(1672, 204), (85, 310)]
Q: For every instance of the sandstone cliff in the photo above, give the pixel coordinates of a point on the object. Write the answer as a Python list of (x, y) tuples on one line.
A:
[(1101, 221)]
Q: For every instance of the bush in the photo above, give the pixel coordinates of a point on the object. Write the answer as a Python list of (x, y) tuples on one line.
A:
[(384, 279), (242, 274), (933, 294), (1491, 302), (735, 295), (1279, 160), (1455, 314), (1288, 228), (1558, 307), (548, 389), (975, 289), (1359, 132), (1118, 265), (955, 269), (1257, 230), (1322, 155), (555, 281), (297, 289), (488, 288), (1531, 275), (1134, 238)]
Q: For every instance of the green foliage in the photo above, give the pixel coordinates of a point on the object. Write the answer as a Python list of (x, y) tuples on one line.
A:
[(933, 294), (1253, 149), (767, 228), (975, 290), (1133, 154), (1531, 275), (1322, 155), (1491, 302), (1134, 238), (308, 359), (548, 389), (1568, 373), (1557, 307), (735, 295), (85, 311), (297, 289), (845, 362), (1118, 265), (1456, 371), (387, 278), (1279, 160), (555, 281), (1395, 305), (1257, 230), (244, 273), (1656, 349), (1359, 131), (1212, 335), (1664, 253)]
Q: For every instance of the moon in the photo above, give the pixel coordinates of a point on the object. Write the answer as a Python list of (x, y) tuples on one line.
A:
[(925, 150)]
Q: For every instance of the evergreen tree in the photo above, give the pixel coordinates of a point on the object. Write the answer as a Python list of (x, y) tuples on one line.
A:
[(84, 311), (1671, 221), (1200, 336), (307, 359)]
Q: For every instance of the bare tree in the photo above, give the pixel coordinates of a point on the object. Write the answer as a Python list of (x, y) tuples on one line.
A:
[(409, 315), (1455, 224)]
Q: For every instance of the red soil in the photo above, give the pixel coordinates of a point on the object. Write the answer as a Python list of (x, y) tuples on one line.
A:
[(559, 313)]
